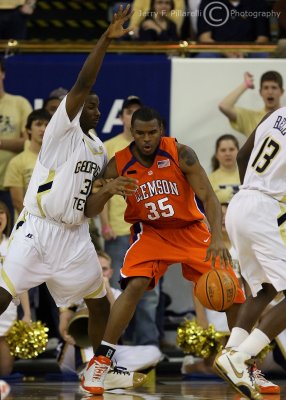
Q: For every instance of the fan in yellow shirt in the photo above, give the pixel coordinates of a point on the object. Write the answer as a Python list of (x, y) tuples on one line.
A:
[(225, 177), (20, 168), (246, 120)]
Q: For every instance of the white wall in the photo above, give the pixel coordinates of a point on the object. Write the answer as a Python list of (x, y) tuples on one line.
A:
[(197, 87)]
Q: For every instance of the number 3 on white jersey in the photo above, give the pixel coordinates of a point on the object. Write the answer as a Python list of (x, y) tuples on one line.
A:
[(160, 209)]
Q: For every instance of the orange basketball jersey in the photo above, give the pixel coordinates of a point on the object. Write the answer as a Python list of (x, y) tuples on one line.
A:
[(164, 195)]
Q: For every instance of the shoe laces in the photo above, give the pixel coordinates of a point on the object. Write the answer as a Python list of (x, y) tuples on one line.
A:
[(251, 368), (257, 373), (99, 370)]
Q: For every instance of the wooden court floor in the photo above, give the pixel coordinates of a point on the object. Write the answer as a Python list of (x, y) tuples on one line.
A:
[(162, 389)]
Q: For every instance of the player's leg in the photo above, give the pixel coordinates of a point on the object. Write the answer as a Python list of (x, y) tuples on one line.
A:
[(6, 360), (5, 299), (23, 267), (121, 313), (98, 316), (124, 308)]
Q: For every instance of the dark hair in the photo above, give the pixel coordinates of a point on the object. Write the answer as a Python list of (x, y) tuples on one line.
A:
[(152, 4), (146, 114), (2, 64), (7, 229), (227, 136), (40, 114), (272, 76)]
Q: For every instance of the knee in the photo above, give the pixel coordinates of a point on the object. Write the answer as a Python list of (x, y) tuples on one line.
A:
[(137, 286), (5, 299)]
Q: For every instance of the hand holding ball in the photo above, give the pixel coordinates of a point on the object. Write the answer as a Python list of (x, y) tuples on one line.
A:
[(216, 290)]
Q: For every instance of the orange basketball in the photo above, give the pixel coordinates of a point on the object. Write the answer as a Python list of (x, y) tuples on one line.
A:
[(216, 290)]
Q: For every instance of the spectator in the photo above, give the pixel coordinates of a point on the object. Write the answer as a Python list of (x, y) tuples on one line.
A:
[(157, 26), (14, 111), (280, 7), (20, 168), (232, 21), (141, 8), (13, 18), (245, 120), (116, 233), (51, 104), (225, 177), (72, 357), (53, 101)]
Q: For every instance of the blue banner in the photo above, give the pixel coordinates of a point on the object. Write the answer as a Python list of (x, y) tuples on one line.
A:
[(34, 76)]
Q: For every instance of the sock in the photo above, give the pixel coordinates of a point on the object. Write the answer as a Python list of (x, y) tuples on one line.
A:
[(237, 336), (255, 342), (106, 349)]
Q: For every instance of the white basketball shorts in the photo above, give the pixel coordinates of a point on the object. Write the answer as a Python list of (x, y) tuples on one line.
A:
[(256, 224), (60, 255)]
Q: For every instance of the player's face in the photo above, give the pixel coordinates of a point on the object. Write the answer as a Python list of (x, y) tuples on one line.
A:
[(90, 114), (271, 93), (226, 154), (147, 136), (127, 115), (107, 271), (37, 130), (3, 220)]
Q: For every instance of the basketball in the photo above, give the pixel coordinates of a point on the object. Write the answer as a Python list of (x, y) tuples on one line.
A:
[(216, 290)]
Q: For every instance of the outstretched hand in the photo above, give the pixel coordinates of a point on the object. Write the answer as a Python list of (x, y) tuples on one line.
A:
[(218, 249), (116, 29), (248, 80)]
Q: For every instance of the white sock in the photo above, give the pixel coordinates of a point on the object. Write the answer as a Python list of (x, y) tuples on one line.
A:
[(237, 336), (255, 342)]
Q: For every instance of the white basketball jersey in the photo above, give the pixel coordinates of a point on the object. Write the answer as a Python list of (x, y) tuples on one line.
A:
[(68, 163), (266, 168)]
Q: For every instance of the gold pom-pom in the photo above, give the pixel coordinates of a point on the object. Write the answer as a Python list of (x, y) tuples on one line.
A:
[(261, 356), (27, 341), (197, 341)]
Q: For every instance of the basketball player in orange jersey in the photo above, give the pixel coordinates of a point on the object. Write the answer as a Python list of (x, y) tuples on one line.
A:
[(168, 227)]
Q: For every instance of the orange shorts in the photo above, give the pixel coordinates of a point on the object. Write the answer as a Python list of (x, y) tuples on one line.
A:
[(152, 250)]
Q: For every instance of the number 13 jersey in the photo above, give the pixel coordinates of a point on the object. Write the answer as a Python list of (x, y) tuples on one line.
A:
[(266, 168), (164, 196)]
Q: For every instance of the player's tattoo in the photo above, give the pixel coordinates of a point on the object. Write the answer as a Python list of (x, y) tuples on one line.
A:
[(188, 156)]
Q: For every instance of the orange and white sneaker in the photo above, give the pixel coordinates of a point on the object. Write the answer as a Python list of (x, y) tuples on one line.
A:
[(4, 389), (92, 379), (264, 386)]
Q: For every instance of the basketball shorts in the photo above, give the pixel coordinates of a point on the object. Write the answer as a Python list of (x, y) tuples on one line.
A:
[(256, 224), (152, 251), (63, 256)]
